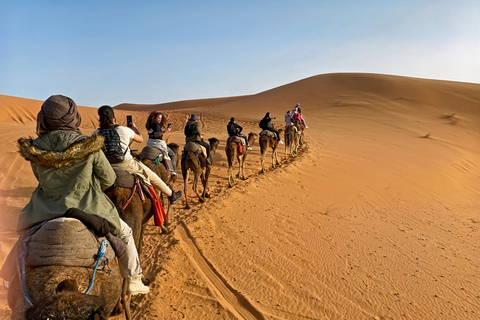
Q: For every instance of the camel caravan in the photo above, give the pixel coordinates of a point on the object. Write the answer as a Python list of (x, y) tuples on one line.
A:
[(95, 197)]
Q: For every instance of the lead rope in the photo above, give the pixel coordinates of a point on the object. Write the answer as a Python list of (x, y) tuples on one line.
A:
[(157, 161), (22, 274), (99, 256)]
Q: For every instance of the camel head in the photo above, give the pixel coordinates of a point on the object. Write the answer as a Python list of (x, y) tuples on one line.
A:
[(68, 303), (251, 138), (213, 144), (173, 146)]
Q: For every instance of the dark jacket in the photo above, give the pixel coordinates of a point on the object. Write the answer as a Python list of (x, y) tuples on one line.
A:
[(237, 129), (71, 170), (266, 122), (192, 131)]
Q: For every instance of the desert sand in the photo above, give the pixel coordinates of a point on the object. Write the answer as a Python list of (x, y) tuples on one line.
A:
[(377, 218)]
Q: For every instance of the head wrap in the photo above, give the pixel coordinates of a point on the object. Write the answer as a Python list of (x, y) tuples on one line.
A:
[(58, 113), (193, 117), (232, 119)]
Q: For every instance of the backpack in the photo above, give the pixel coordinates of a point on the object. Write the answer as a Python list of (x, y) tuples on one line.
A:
[(231, 129), (113, 149), (189, 129)]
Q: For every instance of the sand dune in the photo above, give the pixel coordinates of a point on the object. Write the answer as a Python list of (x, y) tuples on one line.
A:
[(376, 219)]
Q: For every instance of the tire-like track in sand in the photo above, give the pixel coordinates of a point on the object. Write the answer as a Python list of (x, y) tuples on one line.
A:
[(227, 296)]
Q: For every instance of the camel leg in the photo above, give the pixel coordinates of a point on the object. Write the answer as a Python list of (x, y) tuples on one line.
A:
[(231, 180), (205, 182), (197, 176), (240, 162), (262, 159), (185, 186), (273, 158), (126, 300), (244, 158)]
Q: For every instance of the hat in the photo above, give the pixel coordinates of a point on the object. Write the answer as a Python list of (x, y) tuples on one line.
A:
[(58, 113), (297, 104), (193, 117)]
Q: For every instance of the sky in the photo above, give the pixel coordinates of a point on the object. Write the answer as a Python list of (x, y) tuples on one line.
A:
[(148, 52)]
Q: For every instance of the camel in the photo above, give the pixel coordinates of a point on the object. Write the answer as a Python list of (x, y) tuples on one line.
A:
[(56, 284), (293, 134), (269, 141), (201, 169), (232, 152), (136, 214), (56, 291), (164, 173)]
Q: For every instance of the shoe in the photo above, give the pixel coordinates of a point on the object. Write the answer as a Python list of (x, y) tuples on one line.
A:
[(306, 127), (175, 196), (280, 141), (249, 148), (209, 161), (299, 133), (135, 286), (173, 173)]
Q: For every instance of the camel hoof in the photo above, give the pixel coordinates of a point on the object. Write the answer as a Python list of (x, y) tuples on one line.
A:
[(164, 230)]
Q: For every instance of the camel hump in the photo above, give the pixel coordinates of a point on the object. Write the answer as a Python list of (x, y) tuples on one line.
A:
[(150, 153), (268, 133), (236, 139), (64, 242)]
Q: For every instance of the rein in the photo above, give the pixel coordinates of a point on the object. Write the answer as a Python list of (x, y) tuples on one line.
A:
[(136, 188)]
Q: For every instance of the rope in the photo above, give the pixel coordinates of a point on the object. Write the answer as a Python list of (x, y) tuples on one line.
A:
[(22, 272), (100, 255), (157, 161)]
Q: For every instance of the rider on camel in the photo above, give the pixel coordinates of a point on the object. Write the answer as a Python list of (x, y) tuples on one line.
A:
[(266, 124)]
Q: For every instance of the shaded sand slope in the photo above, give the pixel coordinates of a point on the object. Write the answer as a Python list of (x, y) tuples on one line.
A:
[(376, 219)]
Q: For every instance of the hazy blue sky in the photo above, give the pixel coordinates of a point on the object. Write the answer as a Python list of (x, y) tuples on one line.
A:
[(109, 52)]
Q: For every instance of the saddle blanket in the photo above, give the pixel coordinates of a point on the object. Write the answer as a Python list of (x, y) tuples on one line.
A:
[(124, 178), (268, 133), (195, 147), (237, 140), (150, 153), (64, 242)]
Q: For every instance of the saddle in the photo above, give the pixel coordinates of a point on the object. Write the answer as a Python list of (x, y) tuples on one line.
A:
[(131, 181), (155, 155), (150, 153), (237, 140), (269, 133), (58, 242), (195, 148)]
